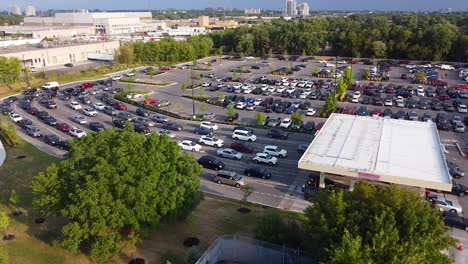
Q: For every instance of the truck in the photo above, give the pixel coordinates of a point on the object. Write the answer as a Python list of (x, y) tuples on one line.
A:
[(49, 85)]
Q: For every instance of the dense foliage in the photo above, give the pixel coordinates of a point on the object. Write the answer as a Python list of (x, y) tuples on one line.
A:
[(165, 51), (397, 36), (375, 224), (10, 20), (115, 183), (10, 70)]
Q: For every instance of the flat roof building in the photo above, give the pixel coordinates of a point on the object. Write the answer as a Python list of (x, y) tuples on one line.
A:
[(379, 149)]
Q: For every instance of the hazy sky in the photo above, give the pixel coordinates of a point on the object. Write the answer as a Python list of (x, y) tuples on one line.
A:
[(405, 5)]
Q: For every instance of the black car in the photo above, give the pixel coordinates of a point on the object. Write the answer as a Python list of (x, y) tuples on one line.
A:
[(172, 126), (387, 112), (140, 128), (211, 163), (309, 126), (441, 118), (302, 148), (278, 133), (42, 114), (454, 220), (400, 115), (459, 189), (51, 140), (11, 99), (411, 103), (305, 105), (455, 170), (203, 131), (448, 107), (96, 126), (6, 109), (51, 104), (377, 100), (426, 117), (362, 111), (443, 126), (120, 123), (63, 145), (258, 172), (25, 122), (232, 118), (50, 120), (142, 112)]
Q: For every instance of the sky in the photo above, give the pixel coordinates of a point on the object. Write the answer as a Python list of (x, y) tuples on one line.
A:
[(387, 5)]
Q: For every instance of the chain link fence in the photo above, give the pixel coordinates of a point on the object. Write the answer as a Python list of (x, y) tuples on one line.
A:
[(238, 249)]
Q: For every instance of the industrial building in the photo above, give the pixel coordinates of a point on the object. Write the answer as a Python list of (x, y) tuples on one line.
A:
[(354, 148), (54, 54)]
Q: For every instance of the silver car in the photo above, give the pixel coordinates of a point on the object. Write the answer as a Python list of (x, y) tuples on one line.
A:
[(145, 121), (447, 205), (229, 153)]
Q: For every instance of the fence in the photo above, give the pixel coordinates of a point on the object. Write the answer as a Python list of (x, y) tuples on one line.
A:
[(238, 249)]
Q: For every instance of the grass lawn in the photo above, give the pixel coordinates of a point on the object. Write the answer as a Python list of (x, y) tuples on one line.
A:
[(37, 243)]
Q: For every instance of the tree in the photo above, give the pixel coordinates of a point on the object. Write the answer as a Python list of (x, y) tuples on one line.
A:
[(330, 104), (222, 97), (379, 49), (10, 70), (296, 118), (375, 224), (203, 107), (4, 223), (341, 86), (348, 76), (8, 132), (260, 117), (14, 199), (270, 228), (316, 71), (112, 181), (231, 109), (247, 190), (367, 74), (125, 55), (209, 65)]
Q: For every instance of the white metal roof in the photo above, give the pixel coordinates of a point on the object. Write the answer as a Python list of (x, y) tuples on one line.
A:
[(376, 148)]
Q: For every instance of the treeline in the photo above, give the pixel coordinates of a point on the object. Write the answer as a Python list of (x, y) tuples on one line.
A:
[(165, 51), (398, 36), (10, 20), (10, 70)]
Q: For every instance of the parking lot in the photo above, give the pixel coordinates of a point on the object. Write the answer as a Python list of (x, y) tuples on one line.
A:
[(283, 190)]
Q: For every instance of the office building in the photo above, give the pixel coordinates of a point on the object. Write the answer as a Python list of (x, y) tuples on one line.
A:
[(303, 10), (290, 8), (30, 11), (252, 11), (16, 10)]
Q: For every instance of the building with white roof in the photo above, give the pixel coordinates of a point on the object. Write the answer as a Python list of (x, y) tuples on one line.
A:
[(379, 149)]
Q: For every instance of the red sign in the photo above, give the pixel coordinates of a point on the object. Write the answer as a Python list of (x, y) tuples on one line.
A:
[(368, 175)]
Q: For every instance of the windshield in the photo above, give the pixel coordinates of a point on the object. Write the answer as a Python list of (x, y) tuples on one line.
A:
[(237, 177)]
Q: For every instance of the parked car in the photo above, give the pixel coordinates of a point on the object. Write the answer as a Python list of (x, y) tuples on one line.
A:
[(229, 153), (96, 126), (265, 158), (142, 112), (242, 147), (259, 172), (203, 131), (161, 119), (211, 163), (232, 118), (172, 126), (229, 177), (243, 135), (445, 204), (454, 220), (76, 132), (211, 141), (275, 151), (64, 127), (459, 189), (209, 125), (33, 131), (277, 133), (51, 140), (189, 145), (455, 170)]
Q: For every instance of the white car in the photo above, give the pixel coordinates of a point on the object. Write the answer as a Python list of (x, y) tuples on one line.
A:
[(293, 83), (400, 102), (357, 94), (76, 132), (329, 64), (301, 84), (280, 89), (15, 117), (462, 108), (258, 101), (285, 123), (206, 84), (117, 77), (99, 106), (311, 111), (388, 102), (211, 141), (322, 61), (275, 151), (271, 89), (290, 89), (189, 145), (264, 87), (341, 62), (229, 153), (168, 133), (248, 90), (241, 105), (209, 125), (130, 74), (90, 111), (79, 119), (304, 95), (237, 85), (459, 128), (75, 105), (420, 91), (265, 158)]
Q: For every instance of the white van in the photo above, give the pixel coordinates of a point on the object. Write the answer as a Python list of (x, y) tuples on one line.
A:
[(243, 135), (49, 85), (447, 67)]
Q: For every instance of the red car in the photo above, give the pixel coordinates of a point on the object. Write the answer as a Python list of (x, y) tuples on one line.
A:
[(268, 101), (319, 126), (86, 85), (444, 97), (33, 111), (120, 106), (404, 77), (461, 87), (242, 147), (389, 90), (377, 112), (64, 127), (151, 101), (349, 110), (166, 69)]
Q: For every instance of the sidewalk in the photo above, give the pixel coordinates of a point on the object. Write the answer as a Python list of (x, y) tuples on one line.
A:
[(2, 153)]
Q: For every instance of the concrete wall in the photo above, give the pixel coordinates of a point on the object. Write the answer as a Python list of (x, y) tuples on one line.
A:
[(65, 32), (43, 57)]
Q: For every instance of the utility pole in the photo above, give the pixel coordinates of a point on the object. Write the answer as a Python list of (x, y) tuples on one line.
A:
[(193, 100), (26, 71)]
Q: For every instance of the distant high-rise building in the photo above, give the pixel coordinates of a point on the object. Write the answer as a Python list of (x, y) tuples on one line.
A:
[(303, 9), (252, 11), (30, 11), (290, 8), (16, 10)]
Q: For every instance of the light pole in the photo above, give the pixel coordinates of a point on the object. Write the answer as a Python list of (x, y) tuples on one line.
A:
[(193, 100), (25, 71)]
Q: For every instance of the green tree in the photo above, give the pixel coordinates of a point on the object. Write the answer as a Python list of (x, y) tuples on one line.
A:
[(247, 190), (10, 70), (375, 224), (113, 181), (367, 74), (209, 65), (271, 228), (379, 49), (260, 118), (297, 118), (125, 55), (316, 71), (330, 103), (231, 109), (4, 223), (14, 199), (8, 132), (203, 107), (222, 97), (348, 76), (341, 86)]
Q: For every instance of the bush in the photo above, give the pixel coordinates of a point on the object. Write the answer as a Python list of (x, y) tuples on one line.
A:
[(274, 229)]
